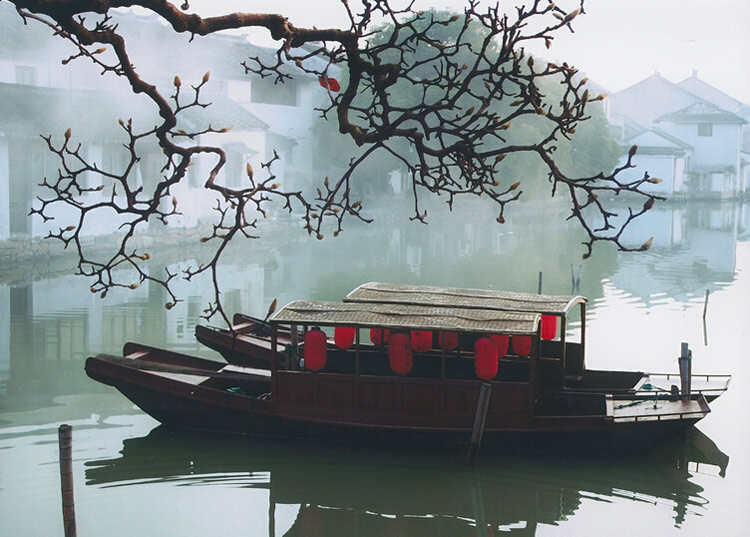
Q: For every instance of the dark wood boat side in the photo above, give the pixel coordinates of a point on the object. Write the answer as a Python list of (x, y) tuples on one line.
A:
[(242, 348), (337, 407), (145, 353)]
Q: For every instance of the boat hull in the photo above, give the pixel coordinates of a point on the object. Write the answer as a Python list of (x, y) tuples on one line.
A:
[(183, 402)]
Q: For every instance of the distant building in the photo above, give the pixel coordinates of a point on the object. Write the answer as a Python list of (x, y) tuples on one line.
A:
[(691, 135), (41, 96)]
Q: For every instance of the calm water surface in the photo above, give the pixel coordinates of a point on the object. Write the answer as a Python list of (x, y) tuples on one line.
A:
[(135, 478)]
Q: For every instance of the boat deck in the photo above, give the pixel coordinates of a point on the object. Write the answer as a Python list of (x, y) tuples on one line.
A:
[(656, 409), (709, 385)]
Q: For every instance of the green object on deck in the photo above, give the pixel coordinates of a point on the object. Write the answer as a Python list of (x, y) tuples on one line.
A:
[(237, 390), (641, 401)]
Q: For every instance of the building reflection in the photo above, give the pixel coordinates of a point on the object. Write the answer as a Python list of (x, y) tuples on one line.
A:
[(400, 494), (694, 249)]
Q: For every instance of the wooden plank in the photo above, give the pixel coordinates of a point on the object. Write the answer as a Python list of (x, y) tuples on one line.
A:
[(147, 365), (645, 409), (180, 377)]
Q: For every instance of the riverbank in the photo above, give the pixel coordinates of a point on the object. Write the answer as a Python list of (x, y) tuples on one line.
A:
[(31, 258)]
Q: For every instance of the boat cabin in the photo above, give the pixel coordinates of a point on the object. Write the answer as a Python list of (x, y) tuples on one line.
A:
[(561, 358), (403, 357)]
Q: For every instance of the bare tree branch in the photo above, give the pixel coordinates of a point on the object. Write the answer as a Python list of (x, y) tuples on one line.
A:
[(444, 108)]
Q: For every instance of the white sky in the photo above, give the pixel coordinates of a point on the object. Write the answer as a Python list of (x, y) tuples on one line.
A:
[(617, 43)]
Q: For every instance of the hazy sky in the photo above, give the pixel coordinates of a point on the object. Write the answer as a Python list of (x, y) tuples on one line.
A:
[(617, 43)]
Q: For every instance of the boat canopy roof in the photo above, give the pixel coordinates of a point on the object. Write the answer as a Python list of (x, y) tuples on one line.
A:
[(407, 317), (388, 293)]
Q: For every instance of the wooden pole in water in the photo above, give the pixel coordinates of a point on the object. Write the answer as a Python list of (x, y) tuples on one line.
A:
[(480, 417), (65, 441), (705, 304)]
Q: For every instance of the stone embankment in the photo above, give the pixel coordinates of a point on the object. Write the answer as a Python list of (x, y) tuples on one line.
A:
[(35, 257)]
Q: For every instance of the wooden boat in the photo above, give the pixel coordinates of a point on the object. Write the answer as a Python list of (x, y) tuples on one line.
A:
[(248, 342), (403, 392)]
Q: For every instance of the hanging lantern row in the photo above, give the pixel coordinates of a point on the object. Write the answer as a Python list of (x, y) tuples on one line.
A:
[(401, 345)]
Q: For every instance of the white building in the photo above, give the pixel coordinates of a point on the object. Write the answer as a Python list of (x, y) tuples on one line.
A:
[(688, 134), (41, 96)]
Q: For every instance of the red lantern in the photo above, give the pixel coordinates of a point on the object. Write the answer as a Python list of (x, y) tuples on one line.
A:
[(399, 353), (421, 340), (485, 358), (316, 343), (376, 336), (343, 336), (502, 344), (522, 345), (448, 340), (549, 326)]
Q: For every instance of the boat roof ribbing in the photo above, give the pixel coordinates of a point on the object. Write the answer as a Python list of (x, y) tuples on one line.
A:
[(388, 293), (407, 317)]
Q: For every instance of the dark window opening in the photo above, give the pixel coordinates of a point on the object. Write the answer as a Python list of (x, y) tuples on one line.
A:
[(705, 129), (264, 91)]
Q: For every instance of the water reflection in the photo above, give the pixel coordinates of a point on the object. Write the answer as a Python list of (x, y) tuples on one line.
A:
[(49, 326), (49, 323), (342, 491), (694, 249)]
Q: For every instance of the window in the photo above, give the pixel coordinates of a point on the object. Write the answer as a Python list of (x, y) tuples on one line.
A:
[(705, 129), (233, 169), (26, 75), (264, 91)]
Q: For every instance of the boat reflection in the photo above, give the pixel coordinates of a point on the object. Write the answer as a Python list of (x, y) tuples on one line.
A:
[(341, 490)]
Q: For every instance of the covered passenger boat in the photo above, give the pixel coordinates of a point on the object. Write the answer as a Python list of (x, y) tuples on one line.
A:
[(248, 342), (410, 374)]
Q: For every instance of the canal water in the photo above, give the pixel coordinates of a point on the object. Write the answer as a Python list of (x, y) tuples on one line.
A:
[(133, 477)]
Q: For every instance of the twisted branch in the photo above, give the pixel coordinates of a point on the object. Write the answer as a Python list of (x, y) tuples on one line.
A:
[(444, 105)]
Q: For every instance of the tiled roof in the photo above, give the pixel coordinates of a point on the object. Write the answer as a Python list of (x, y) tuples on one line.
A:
[(701, 112), (31, 111)]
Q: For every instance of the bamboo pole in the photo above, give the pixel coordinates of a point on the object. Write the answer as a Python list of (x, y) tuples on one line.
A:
[(65, 441)]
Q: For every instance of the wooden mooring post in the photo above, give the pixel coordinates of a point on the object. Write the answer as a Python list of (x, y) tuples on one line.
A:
[(65, 442), (479, 419)]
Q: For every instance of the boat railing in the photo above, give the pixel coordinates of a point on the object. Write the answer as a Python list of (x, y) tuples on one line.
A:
[(702, 383)]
